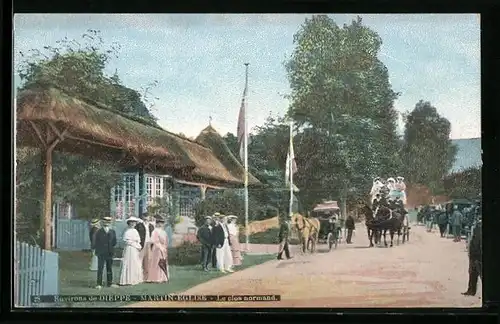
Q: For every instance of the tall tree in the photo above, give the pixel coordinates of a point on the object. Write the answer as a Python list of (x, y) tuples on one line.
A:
[(78, 68), (342, 102), (428, 152)]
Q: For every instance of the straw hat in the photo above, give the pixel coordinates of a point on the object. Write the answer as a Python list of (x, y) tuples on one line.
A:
[(208, 217), (217, 216), (232, 217), (94, 222), (107, 219)]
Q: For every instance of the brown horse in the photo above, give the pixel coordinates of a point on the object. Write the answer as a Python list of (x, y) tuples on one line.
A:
[(308, 229)]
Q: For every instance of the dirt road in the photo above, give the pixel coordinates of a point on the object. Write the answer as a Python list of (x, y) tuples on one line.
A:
[(428, 271)]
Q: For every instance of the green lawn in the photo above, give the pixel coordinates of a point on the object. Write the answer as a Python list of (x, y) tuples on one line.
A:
[(76, 279)]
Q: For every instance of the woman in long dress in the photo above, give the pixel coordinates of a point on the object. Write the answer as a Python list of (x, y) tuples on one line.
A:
[(158, 250), (131, 270), (234, 238)]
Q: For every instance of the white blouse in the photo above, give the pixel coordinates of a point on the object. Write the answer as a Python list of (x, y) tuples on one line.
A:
[(132, 238), (233, 229)]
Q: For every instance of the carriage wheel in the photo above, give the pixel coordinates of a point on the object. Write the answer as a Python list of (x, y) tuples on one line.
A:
[(331, 240)]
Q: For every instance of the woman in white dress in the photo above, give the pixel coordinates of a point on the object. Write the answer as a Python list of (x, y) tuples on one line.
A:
[(131, 270)]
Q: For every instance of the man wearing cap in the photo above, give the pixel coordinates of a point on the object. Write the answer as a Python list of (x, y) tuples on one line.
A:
[(93, 227), (104, 245), (221, 241), (475, 257), (204, 235), (283, 238)]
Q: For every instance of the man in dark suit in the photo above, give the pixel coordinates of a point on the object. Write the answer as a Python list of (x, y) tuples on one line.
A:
[(475, 259), (205, 237), (104, 246), (350, 226), (283, 237)]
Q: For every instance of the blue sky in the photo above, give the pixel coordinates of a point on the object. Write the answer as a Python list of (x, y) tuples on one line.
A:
[(198, 61)]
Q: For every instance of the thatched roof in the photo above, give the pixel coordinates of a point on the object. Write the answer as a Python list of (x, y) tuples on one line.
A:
[(112, 133), (212, 139)]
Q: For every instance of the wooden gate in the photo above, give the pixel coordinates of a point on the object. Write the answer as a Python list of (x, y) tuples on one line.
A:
[(36, 273)]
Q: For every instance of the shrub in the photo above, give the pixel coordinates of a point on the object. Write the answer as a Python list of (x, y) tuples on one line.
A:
[(265, 212), (187, 253), (227, 203), (268, 237)]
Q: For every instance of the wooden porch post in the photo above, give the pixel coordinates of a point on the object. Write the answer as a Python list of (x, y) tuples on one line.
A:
[(47, 214), (49, 141)]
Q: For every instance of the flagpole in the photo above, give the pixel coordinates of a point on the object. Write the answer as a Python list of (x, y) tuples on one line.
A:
[(247, 230), (290, 164)]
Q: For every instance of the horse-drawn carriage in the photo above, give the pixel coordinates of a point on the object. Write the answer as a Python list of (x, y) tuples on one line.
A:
[(328, 214)]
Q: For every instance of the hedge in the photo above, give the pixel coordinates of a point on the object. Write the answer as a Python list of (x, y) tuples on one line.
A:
[(267, 237)]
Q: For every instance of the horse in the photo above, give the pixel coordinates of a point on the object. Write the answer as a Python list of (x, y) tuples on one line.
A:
[(308, 229), (387, 219), (383, 220), (367, 212)]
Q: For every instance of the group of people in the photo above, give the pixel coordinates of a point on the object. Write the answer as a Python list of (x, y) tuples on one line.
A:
[(453, 218), (220, 245), (144, 256), (390, 188)]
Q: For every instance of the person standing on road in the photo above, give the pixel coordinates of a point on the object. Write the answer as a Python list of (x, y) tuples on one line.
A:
[(456, 222), (475, 259), (283, 237), (350, 226), (442, 221)]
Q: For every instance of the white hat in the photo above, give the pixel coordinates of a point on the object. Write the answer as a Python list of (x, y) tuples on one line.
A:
[(232, 217), (134, 219), (208, 217), (390, 179), (400, 178)]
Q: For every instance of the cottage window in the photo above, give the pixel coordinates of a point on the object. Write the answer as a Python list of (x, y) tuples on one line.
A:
[(159, 187), (124, 197)]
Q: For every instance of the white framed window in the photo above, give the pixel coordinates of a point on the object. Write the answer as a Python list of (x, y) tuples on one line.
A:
[(124, 197)]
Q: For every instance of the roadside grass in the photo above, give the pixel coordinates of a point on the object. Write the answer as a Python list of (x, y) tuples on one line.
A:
[(75, 278)]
